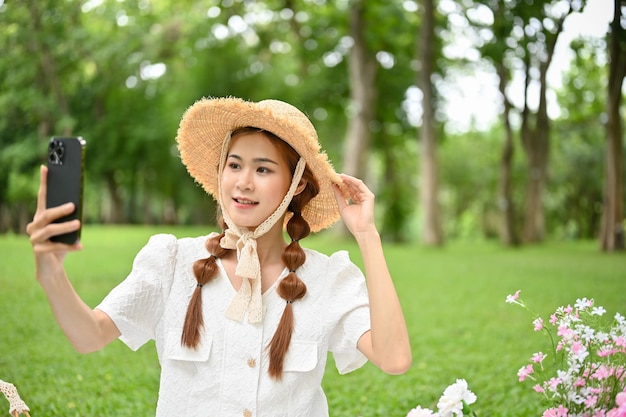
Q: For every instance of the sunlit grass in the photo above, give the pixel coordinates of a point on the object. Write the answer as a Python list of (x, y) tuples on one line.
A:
[(453, 300)]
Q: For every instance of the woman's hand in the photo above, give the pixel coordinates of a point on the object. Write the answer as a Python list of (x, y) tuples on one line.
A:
[(49, 255), (357, 212)]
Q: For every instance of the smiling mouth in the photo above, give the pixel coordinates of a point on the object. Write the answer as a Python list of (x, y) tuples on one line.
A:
[(244, 202)]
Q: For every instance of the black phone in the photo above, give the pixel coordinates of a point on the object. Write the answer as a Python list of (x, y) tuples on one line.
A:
[(66, 164)]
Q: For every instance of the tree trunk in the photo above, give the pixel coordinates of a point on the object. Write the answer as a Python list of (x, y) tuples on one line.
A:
[(396, 212), (362, 70), (612, 227), (48, 77), (116, 212), (537, 148), (537, 143), (429, 187), (5, 217), (508, 233)]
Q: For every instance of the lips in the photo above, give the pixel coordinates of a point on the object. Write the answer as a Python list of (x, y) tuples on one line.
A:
[(244, 201)]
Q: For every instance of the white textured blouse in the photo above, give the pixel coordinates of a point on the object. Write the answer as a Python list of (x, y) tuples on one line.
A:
[(227, 374)]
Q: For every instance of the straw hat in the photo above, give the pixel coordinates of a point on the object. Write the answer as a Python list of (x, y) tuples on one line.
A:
[(208, 122)]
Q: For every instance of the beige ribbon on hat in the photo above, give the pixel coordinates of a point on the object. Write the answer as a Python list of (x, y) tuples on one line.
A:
[(249, 297)]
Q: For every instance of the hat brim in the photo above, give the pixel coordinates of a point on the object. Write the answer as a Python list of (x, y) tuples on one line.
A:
[(207, 123)]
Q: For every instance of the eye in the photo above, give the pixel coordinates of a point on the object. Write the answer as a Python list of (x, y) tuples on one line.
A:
[(264, 170), (233, 165)]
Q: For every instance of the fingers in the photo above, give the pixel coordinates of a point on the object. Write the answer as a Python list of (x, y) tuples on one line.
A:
[(42, 227), (43, 188), (359, 192), (339, 196), (43, 234)]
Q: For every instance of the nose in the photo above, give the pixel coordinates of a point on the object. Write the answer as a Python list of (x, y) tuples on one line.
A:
[(244, 180)]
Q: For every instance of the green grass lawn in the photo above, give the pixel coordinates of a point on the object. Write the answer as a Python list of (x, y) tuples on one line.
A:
[(453, 299)]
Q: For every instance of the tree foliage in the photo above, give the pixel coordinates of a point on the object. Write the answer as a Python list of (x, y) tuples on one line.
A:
[(121, 73)]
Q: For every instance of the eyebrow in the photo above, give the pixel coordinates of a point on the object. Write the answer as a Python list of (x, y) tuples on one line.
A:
[(255, 160)]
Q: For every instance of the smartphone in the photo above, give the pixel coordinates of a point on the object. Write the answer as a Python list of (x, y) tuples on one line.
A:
[(66, 164)]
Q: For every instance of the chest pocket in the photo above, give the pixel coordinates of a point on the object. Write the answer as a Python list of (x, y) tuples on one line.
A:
[(301, 356), (174, 350)]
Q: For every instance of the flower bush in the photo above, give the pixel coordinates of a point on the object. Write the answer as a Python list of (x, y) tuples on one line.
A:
[(583, 374), (454, 401)]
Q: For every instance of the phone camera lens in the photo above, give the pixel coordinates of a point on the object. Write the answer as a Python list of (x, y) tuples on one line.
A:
[(56, 152)]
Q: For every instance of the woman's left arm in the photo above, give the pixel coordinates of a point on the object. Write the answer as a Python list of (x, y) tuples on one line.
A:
[(387, 343)]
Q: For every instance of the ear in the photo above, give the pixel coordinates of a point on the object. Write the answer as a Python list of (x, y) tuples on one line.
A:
[(301, 186)]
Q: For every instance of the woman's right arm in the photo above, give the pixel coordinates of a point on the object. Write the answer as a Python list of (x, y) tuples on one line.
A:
[(87, 329)]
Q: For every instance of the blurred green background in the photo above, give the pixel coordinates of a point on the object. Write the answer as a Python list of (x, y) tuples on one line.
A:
[(121, 73)]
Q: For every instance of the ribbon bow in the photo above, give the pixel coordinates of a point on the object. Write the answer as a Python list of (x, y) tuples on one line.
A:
[(249, 296)]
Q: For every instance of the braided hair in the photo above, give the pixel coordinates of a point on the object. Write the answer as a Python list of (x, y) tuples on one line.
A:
[(204, 270), (291, 288)]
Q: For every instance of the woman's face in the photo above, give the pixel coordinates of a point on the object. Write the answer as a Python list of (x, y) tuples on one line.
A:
[(255, 179)]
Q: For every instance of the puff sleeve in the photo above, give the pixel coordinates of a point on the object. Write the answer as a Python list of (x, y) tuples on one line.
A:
[(137, 303), (351, 298)]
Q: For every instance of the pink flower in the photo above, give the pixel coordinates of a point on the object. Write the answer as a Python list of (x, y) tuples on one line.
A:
[(602, 373), (538, 323), (591, 362), (564, 331), (606, 351), (617, 412), (524, 372), (512, 298), (577, 348), (556, 412), (561, 411), (591, 401), (553, 383)]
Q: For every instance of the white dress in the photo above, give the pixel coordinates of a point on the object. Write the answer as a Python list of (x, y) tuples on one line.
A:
[(227, 374)]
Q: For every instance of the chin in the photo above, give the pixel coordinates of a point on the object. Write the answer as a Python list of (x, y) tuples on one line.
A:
[(246, 225)]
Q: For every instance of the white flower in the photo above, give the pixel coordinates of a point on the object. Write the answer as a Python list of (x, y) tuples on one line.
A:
[(602, 337), (451, 402), (421, 412), (621, 323), (598, 311), (566, 377), (586, 333), (583, 303), (575, 397)]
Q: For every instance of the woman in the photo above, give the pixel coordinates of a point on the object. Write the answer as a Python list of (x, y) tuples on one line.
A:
[(243, 320)]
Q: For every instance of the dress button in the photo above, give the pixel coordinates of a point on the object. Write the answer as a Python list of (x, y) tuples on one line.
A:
[(251, 362), (247, 413)]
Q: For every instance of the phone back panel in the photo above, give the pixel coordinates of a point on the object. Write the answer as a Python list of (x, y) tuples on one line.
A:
[(65, 180)]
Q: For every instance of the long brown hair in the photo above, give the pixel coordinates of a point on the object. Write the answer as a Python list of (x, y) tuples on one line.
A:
[(291, 288)]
